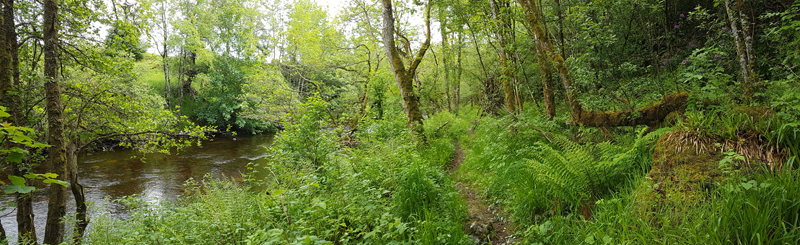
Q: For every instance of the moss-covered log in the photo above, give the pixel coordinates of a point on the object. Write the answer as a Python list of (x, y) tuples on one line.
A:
[(649, 115)]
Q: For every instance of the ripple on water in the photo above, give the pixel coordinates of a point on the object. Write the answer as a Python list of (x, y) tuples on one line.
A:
[(108, 176)]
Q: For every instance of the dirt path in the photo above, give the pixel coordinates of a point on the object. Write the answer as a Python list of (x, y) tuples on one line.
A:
[(486, 223)]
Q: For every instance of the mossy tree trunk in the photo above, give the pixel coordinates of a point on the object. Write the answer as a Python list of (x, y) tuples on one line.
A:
[(547, 84), (502, 23), (543, 43), (649, 115), (457, 88), (81, 218), (57, 156), (405, 76), (743, 40), (9, 82), (164, 55), (446, 60)]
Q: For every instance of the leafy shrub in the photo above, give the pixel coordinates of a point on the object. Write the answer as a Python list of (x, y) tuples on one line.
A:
[(222, 98)]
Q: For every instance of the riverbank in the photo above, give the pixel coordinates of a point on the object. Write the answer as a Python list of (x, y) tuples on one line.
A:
[(122, 173)]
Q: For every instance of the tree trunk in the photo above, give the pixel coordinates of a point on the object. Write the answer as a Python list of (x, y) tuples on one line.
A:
[(11, 35), (167, 85), (543, 43), (547, 85), (561, 28), (165, 63), (744, 49), (78, 192), (57, 157), (183, 73), (9, 71), (6, 71), (649, 115), (501, 27), (446, 52), (493, 99), (403, 76), (458, 72), (26, 231), (190, 73)]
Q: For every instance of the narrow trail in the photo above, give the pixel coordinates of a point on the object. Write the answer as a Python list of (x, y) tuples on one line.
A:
[(487, 223)]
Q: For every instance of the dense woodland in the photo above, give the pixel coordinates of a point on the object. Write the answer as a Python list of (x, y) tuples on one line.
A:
[(413, 122)]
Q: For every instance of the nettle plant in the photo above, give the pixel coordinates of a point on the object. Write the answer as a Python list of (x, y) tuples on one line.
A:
[(305, 145)]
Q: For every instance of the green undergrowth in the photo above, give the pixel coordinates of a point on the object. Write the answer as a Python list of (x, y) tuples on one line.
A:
[(387, 190), (760, 209), (567, 185)]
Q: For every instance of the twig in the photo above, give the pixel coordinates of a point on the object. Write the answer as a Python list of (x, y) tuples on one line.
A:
[(440, 127), (274, 176), (541, 131), (288, 220)]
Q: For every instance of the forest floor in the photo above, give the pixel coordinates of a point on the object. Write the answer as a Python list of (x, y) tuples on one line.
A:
[(487, 222)]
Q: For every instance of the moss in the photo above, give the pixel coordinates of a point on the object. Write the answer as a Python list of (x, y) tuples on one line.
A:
[(651, 114), (757, 113), (683, 172)]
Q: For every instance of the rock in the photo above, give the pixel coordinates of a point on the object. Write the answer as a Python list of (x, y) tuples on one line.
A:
[(481, 232)]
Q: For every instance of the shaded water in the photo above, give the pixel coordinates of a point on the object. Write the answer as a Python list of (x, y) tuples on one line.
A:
[(160, 177)]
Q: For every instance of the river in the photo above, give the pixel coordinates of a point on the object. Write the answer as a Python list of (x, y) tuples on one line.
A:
[(121, 173)]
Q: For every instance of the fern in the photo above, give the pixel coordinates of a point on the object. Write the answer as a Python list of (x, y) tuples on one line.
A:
[(573, 173)]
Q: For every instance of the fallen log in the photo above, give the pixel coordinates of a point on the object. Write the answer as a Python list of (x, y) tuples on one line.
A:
[(650, 115)]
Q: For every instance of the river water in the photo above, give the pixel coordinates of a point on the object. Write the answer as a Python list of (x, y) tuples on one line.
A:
[(116, 174)]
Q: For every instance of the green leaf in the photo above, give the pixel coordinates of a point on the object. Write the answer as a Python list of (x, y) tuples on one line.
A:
[(31, 176), (51, 175), (15, 157), (606, 239), (9, 189), (16, 180), (4, 114), (55, 181), (748, 185), (321, 204), (589, 240)]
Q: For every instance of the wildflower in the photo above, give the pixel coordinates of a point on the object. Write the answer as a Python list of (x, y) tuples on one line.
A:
[(683, 62), (666, 60), (681, 15), (724, 28), (691, 44), (718, 56), (676, 26), (662, 67)]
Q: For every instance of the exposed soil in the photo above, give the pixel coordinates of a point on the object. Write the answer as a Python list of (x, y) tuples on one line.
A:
[(487, 223)]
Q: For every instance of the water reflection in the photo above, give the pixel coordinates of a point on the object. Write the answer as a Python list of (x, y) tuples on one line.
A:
[(158, 177)]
